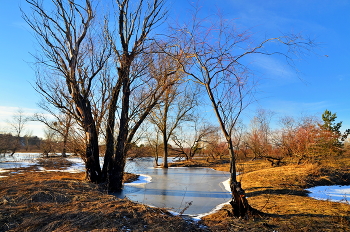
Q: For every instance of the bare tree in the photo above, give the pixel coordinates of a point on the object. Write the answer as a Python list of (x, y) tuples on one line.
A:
[(17, 124), (216, 52), (260, 140), (27, 138), (78, 58), (62, 125), (190, 142), (71, 52), (49, 145), (176, 105), (138, 87)]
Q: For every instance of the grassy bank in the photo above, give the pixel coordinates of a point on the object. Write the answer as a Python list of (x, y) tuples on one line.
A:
[(279, 192), (59, 201)]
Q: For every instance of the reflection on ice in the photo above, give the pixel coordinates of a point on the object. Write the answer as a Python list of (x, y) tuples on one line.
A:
[(332, 193)]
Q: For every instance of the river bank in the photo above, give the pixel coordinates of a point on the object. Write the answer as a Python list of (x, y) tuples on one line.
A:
[(36, 200), (279, 192)]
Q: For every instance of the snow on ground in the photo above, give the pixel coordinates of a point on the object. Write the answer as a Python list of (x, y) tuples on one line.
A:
[(332, 193), (21, 160), (77, 166), (143, 179)]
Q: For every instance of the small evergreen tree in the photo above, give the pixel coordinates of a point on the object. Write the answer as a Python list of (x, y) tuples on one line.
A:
[(331, 139)]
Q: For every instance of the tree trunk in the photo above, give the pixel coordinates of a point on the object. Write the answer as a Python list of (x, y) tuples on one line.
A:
[(165, 156), (92, 162), (156, 154), (64, 149), (13, 151), (110, 129), (239, 203), (115, 168), (64, 152)]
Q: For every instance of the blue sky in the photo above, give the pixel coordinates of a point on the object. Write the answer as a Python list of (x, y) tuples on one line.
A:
[(320, 80)]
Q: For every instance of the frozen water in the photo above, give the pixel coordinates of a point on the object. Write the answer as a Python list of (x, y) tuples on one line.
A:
[(202, 190), (191, 191), (18, 160)]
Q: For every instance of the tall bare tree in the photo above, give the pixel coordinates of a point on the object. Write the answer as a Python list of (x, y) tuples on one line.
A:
[(139, 86), (72, 55), (78, 59), (216, 51)]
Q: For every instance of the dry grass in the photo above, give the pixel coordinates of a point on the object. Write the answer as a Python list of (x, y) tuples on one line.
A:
[(279, 193), (58, 201)]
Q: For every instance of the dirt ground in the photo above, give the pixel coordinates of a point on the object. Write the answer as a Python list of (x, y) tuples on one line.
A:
[(32, 200)]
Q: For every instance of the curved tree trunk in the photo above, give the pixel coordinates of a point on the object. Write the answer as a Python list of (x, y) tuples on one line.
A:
[(239, 203)]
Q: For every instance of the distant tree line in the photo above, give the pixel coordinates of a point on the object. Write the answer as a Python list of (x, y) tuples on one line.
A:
[(8, 143)]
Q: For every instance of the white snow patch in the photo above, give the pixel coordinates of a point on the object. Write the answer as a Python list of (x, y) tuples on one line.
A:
[(77, 166), (226, 184), (332, 193), (143, 179), (42, 169)]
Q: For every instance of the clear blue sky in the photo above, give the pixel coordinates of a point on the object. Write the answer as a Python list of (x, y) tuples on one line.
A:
[(321, 81)]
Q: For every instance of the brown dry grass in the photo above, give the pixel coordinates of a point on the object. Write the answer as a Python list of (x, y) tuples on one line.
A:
[(279, 193), (58, 201)]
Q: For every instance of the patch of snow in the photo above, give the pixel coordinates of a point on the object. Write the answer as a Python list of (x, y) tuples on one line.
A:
[(332, 193), (143, 179), (77, 166), (5, 166), (42, 169), (226, 184)]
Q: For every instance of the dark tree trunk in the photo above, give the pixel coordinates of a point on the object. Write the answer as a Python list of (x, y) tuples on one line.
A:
[(115, 169), (13, 151), (239, 203), (64, 149), (108, 159), (64, 152), (92, 162), (165, 156), (156, 154)]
